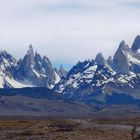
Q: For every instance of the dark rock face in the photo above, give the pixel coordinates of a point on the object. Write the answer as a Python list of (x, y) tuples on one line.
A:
[(32, 70), (29, 69), (99, 84), (8, 63), (62, 72), (39, 71), (83, 79), (50, 73), (38, 61), (135, 68), (110, 61), (126, 60), (28, 64), (96, 81), (136, 44), (103, 80), (120, 60), (100, 60)]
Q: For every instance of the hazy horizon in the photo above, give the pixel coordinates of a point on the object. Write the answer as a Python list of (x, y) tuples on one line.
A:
[(67, 31)]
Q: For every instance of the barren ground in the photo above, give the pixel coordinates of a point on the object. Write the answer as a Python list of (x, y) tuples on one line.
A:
[(88, 129)]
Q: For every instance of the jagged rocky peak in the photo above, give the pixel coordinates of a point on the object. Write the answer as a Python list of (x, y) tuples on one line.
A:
[(84, 78), (127, 60), (38, 61), (50, 73), (110, 61), (30, 50), (81, 66), (38, 56), (7, 56), (122, 45), (120, 60), (7, 62), (47, 60), (136, 44), (100, 60), (63, 72), (30, 56), (28, 60), (39, 71)]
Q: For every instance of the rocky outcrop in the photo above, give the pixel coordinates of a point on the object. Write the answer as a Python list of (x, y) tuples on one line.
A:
[(8, 63), (37, 70), (62, 72), (110, 61), (120, 60), (100, 60), (136, 44), (84, 78), (49, 71), (127, 59), (28, 69)]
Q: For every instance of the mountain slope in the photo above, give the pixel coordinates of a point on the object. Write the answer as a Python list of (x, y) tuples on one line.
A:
[(91, 85), (97, 81), (37, 70), (31, 71), (127, 59), (101, 81), (8, 65), (85, 78)]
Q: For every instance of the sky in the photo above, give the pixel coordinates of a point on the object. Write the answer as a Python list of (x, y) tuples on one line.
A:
[(68, 30)]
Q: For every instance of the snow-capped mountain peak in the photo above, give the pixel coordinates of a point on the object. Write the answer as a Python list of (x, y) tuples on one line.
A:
[(136, 44), (30, 50), (32, 70), (38, 70), (96, 80), (87, 75), (7, 62)]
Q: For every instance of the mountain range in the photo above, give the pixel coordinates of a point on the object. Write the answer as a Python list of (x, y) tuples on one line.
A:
[(30, 71), (99, 83), (105, 81)]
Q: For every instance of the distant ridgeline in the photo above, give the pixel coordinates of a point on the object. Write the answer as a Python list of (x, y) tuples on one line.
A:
[(30, 71), (100, 81), (115, 80)]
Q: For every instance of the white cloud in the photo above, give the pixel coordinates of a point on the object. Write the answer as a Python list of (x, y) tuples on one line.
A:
[(68, 30)]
